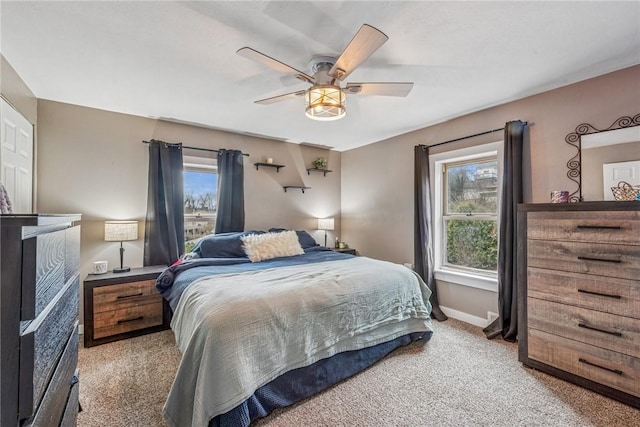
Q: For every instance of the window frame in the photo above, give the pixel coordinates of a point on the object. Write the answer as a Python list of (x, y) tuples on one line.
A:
[(202, 165), (465, 276)]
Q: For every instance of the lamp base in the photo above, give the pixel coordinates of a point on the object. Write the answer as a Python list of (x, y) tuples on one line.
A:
[(121, 269)]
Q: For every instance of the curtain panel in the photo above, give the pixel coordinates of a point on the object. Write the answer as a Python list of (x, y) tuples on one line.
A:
[(230, 209), (164, 227), (423, 228), (506, 325)]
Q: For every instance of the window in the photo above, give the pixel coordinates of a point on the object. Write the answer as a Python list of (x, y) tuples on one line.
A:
[(200, 198), (466, 188)]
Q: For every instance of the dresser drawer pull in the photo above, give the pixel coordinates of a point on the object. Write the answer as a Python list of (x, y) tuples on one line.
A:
[(593, 328), (586, 258), (134, 319), (586, 362), (599, 294), (139, 294), (606, 227)]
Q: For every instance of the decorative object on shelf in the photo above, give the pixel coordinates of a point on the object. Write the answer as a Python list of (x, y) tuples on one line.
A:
[(559, 196), (269, 165), (320, 163), (300, 187), (325, 224), (342, 245), (269, 160), (120, 231), (625, 191)]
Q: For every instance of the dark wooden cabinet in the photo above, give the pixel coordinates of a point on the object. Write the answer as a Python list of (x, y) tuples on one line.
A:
[(39, 259), (123, 305), (579, 294), (351, 251)]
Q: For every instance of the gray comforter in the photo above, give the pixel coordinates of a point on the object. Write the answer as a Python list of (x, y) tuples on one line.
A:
[(237, 332)]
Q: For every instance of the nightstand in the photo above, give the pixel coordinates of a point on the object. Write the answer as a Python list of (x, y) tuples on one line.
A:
[(123, 305), (344, 250)]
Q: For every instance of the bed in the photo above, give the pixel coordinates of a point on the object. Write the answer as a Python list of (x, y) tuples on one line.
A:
[(266, 319)]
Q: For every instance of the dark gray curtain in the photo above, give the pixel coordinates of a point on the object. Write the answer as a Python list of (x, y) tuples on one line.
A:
[(164, 228), (230, 210), (423, 234), (506, 325)]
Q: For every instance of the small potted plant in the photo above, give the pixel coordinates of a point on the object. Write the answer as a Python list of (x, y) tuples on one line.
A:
[(320, 163)]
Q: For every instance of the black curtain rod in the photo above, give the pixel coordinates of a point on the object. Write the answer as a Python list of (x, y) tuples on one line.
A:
[(211, 150), (464, 137)]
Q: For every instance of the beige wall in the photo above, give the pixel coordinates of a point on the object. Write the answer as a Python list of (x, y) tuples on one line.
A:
[(377, 180), (93, 162), (16, 92)]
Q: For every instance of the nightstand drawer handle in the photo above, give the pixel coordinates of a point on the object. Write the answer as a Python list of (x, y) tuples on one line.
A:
[(606, 227), (586, 258), (584, 291), (583, 325), (131, 320), (139, 294), (586, 362)]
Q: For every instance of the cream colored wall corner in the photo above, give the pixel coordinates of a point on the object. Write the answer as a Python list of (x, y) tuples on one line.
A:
[(93, 162), (377, 180)]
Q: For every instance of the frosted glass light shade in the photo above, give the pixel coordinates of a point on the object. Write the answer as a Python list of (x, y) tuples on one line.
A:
[(325, 102), (120, 231), (325, 223)]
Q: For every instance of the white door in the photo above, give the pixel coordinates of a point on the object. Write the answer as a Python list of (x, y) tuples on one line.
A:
[(613, 173), (16, 157)]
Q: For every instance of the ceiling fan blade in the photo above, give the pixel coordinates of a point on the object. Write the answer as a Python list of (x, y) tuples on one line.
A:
[(279, 98), (383, 89), (366, 41), (256, 56)]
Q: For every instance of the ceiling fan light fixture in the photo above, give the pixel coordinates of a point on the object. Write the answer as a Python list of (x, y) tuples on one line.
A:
[(325, 102)]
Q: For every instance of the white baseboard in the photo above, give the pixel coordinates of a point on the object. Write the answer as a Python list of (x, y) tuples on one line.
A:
[(81, 329), (465, 317)]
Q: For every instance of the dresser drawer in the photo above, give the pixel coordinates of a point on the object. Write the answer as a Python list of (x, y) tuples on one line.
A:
[(54, 401), (128, 319), (607, 294), (621, 227), (618, 333), (70, 415), (604, 366), (117, 297), (622, 261), (42, 344)]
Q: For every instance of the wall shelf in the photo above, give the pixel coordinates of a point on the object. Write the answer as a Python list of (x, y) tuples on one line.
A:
[(268, 165), (295, 186), (324, 171)]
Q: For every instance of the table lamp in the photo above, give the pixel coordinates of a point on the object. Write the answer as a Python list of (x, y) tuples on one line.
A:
[(325, 224), (120, 231)]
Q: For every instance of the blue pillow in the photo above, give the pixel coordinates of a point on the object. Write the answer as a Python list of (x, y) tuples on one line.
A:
[(305, 239), (223, 245)]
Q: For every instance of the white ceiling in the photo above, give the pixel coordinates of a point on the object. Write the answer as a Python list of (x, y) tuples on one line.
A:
[(177, 60)]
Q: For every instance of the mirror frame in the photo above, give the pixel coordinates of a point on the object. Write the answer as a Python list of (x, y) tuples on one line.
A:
[(574, 139)]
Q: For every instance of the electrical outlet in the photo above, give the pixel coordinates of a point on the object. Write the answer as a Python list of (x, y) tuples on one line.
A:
[(491, 316)]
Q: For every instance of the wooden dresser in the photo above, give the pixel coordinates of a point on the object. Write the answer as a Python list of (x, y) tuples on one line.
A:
[(123, 305), (579, 294), (39, 288)]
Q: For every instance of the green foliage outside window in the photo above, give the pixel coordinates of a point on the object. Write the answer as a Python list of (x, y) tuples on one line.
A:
[(472, 243)]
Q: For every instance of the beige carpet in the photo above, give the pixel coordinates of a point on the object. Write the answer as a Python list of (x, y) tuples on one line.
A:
[(459, 378)]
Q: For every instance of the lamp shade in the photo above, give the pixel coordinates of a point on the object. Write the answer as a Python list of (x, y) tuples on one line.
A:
[(325, 223), (325, 102), (120, 231)]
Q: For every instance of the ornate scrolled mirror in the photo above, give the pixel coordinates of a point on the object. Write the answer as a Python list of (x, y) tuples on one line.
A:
[(604, 157)]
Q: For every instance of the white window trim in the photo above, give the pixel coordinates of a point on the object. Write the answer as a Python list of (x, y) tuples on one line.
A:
[(482, 281)]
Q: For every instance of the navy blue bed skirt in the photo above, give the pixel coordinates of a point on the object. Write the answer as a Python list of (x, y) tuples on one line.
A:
[(296, 385)]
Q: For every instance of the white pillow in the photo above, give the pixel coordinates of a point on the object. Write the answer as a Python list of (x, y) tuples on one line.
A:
[(260, 247)]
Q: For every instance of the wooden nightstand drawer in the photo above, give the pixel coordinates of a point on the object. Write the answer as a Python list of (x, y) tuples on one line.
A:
[(115, 297), (128, 319), (123, 305)]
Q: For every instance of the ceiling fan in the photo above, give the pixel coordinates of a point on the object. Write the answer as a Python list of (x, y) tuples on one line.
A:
[(325, 99)]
